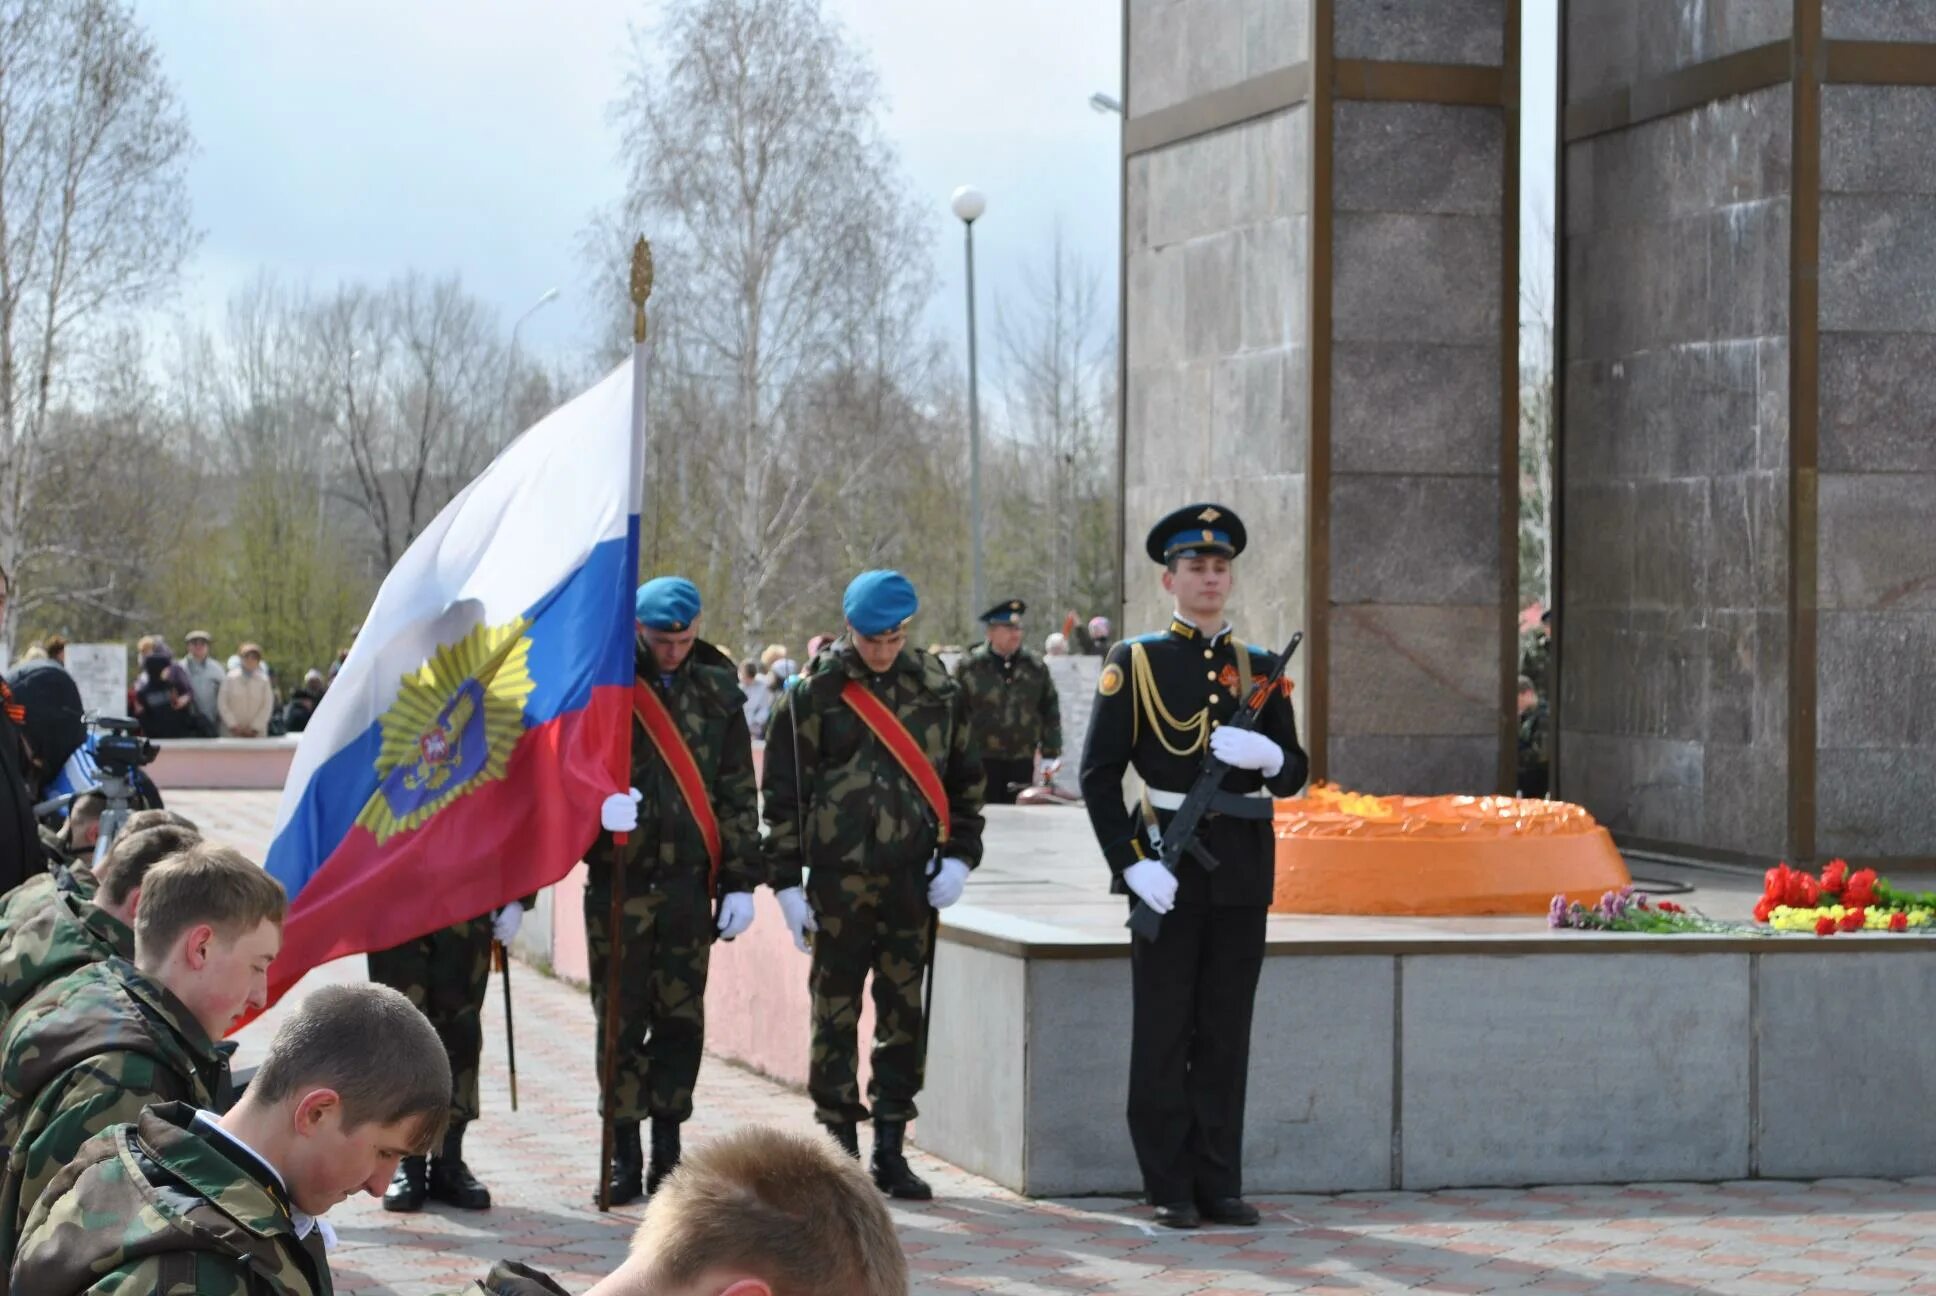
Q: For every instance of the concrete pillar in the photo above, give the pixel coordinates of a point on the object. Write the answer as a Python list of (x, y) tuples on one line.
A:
[(1320, 230), (1748, 566)]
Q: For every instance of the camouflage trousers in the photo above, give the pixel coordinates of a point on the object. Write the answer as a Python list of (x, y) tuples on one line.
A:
[(667, 935), (446, 974), (868, 923)]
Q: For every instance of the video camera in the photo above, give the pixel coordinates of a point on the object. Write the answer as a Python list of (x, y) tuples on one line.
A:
[(119, 747)]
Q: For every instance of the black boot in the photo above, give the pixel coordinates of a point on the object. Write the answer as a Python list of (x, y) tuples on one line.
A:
[(451, 1181), (665, 1152), (628, 1164), (892, 1174), (409, 1187), (844, 1133)]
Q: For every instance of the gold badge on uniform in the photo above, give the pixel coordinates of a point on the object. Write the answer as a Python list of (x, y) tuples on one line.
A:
[(1112, 679)]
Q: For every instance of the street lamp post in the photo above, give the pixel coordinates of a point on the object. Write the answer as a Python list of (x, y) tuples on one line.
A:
[(550, 295), (969, 203)]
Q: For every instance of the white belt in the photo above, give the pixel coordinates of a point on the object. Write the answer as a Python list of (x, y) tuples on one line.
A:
[(1162, 800)]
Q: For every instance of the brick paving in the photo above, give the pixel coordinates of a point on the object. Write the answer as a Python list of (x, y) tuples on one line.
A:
[(1758, 1238)]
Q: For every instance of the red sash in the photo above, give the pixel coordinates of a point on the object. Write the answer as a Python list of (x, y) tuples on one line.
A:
[(887, 727), (665, 736)]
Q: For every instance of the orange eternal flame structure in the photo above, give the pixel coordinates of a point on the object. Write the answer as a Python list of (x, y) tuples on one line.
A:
[(1432, 857)]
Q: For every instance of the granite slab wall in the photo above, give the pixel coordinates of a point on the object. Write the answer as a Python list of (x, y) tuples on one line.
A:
[(1876, 627), (1218, 380), (1432, 1066), (1674, 571), (1414, 688), (1216, 251)]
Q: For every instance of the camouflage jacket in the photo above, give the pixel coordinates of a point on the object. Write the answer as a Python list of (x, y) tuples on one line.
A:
[(158, 1208), (826, 770), (1012, 708), (1535, 737), (33, 895), (1536, 662), (85, 1054), (69, 933), (706, 703), (154, 1207)]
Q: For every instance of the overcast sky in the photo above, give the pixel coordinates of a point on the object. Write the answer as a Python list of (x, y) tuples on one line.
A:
[(361, 138)]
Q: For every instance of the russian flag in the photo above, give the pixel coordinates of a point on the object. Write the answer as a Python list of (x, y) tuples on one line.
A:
[(484, 712)]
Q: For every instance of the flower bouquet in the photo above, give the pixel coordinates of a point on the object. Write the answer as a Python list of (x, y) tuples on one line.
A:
[(1839, 901), (1628, 911)]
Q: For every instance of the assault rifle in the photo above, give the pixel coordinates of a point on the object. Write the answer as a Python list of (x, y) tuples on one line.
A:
[(1181, 835)]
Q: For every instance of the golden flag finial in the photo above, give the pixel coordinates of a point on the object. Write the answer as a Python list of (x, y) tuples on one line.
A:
[(641, 285)]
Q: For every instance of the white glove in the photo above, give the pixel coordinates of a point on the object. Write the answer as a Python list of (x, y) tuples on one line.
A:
[(1247, 749), (504, 927), (620, 813), (1153, 884), (946, 886), (799, 916), (735, 914)]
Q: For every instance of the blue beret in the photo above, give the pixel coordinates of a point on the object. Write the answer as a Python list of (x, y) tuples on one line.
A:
[(879, 601), (667, 603)]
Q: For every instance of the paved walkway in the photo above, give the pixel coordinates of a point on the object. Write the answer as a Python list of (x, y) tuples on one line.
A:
[(1760, 1238)]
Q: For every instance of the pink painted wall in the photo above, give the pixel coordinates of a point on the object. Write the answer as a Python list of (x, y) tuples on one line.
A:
[(758, 1011), (202, 763)]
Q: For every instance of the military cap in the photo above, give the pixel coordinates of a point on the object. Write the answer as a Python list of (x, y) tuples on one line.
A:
[(667, 603), (1007, 612), (879, 601), (1194, 531)]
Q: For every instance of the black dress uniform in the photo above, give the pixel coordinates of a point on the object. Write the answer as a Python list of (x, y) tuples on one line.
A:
[(1159, 698)]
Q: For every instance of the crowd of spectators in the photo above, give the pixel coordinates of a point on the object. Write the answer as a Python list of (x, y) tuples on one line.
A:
[(202, 696)]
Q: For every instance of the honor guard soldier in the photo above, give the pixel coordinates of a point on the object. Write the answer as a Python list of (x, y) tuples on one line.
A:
[(1163, 700), (873, 791), (693, 843), (446, 974), (1013, 712)]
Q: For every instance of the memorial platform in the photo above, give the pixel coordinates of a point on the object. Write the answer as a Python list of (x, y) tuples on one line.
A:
[(1387, 1053), (1414, 1053)]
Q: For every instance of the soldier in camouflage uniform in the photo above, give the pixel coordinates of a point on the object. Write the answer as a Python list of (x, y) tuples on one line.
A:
[(1536, 657), (446, 975), (69, 933), (92, 1050), (72, 876), (839, 806), (1013, 711), (1535, 741), (668, 924), (180, 1202)]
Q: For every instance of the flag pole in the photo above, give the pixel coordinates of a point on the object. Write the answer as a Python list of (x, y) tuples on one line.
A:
[(641, 289)]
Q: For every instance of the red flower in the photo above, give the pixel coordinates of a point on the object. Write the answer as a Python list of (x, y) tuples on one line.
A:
[(1824, 926), (1763, 907), (1810, 889), (1668, 906), (1774, 883), (1898, 921), (1861, 889), (1852, 920), (1835, 876)]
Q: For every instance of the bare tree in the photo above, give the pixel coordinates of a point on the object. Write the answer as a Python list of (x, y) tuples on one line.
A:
[(787, 256), (1537, 432), (1053, 490), (93, 208), (412, 387)]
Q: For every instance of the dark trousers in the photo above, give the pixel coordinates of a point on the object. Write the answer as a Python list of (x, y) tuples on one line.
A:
[(883, 925), (1001, 774), (666, 937), (445, 974), (1189, 1053)]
